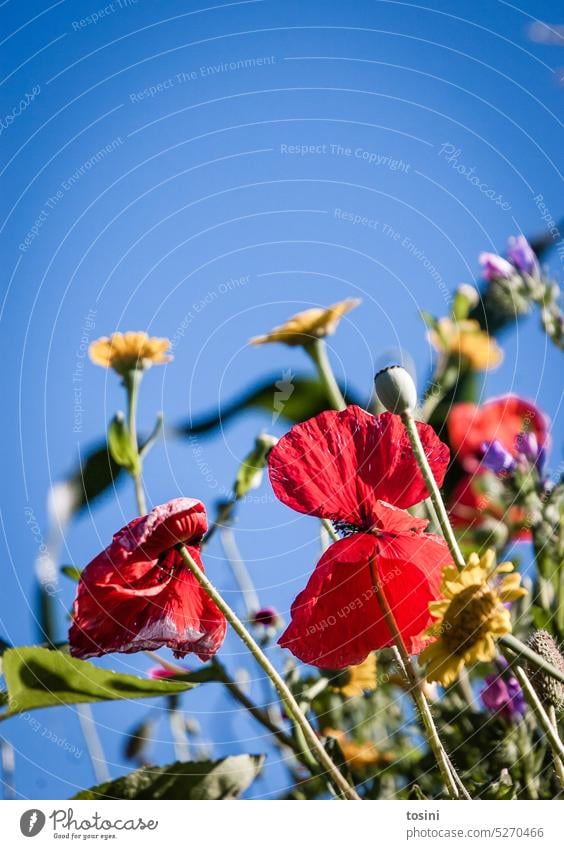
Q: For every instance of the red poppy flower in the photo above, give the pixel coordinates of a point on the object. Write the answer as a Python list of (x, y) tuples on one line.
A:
[(138, 594), (501, 419), (358, 470)]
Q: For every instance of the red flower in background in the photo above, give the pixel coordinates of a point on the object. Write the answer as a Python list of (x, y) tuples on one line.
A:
[(358, 470), (138, 595), (501, 419), (472, 503)]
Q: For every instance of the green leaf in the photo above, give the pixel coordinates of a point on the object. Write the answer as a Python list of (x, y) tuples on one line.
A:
[(293, 398), (72, 572), (120, 446), (38, 678), (223, 779)]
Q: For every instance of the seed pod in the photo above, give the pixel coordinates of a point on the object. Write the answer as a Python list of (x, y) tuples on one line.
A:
[(548, 689), (396, 390)]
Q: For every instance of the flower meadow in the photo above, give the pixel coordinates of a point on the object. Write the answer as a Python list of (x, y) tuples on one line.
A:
[(419, 660)]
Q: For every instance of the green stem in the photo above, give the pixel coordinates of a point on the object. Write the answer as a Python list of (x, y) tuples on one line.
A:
[(558, 765), (290, 703), (443, 382), (317, 350), (240, 572), (520, 649), (328, 525), (416, 689), (132, 381), (432, 488), (93, 744), (256, 712), (551, 733)]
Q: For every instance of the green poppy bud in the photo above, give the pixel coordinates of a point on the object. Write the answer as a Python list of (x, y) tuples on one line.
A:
[(396, 390)]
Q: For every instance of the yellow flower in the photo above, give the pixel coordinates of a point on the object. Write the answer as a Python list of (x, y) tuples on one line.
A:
[(356, 680), (470, 616), (304, 327), (359, 756), (126, 351), (467, 340)]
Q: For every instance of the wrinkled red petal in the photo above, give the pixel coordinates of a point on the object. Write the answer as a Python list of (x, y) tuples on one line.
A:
[(336, 620), (179, 520), (501, 418), (338, 464), (139, 604)]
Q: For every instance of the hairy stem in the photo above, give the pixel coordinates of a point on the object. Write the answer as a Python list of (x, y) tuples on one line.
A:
[(433, 489), (132, 381), (290, 703), (317, 350), (416, 689)]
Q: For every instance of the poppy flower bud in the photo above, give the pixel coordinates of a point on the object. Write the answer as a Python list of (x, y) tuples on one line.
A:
[(549, 690), (466, 298), (396, 390), (495, 267), (268, 617)]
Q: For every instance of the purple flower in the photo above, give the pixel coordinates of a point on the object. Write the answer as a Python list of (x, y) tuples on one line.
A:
[(522, 255), (528, 445), (502, 694), (496, 458), (495, 266), (268, 617)]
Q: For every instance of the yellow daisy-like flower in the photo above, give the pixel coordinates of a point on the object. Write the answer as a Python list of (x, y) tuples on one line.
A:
[(126, 351), (304, 327), (357, 680), (467, 340), (359, 756), (470, 616)]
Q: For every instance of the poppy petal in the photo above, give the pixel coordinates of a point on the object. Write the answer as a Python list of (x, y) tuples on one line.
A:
[(336, 620), (139, 604), (179, 520), (337, 464)]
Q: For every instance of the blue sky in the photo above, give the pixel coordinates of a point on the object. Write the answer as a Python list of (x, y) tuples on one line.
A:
[(193, 172)]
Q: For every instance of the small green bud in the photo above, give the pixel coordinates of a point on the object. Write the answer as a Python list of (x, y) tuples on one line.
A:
[(466, 298), (120, 447), (251, 469), (396, 390), (548, 689)]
